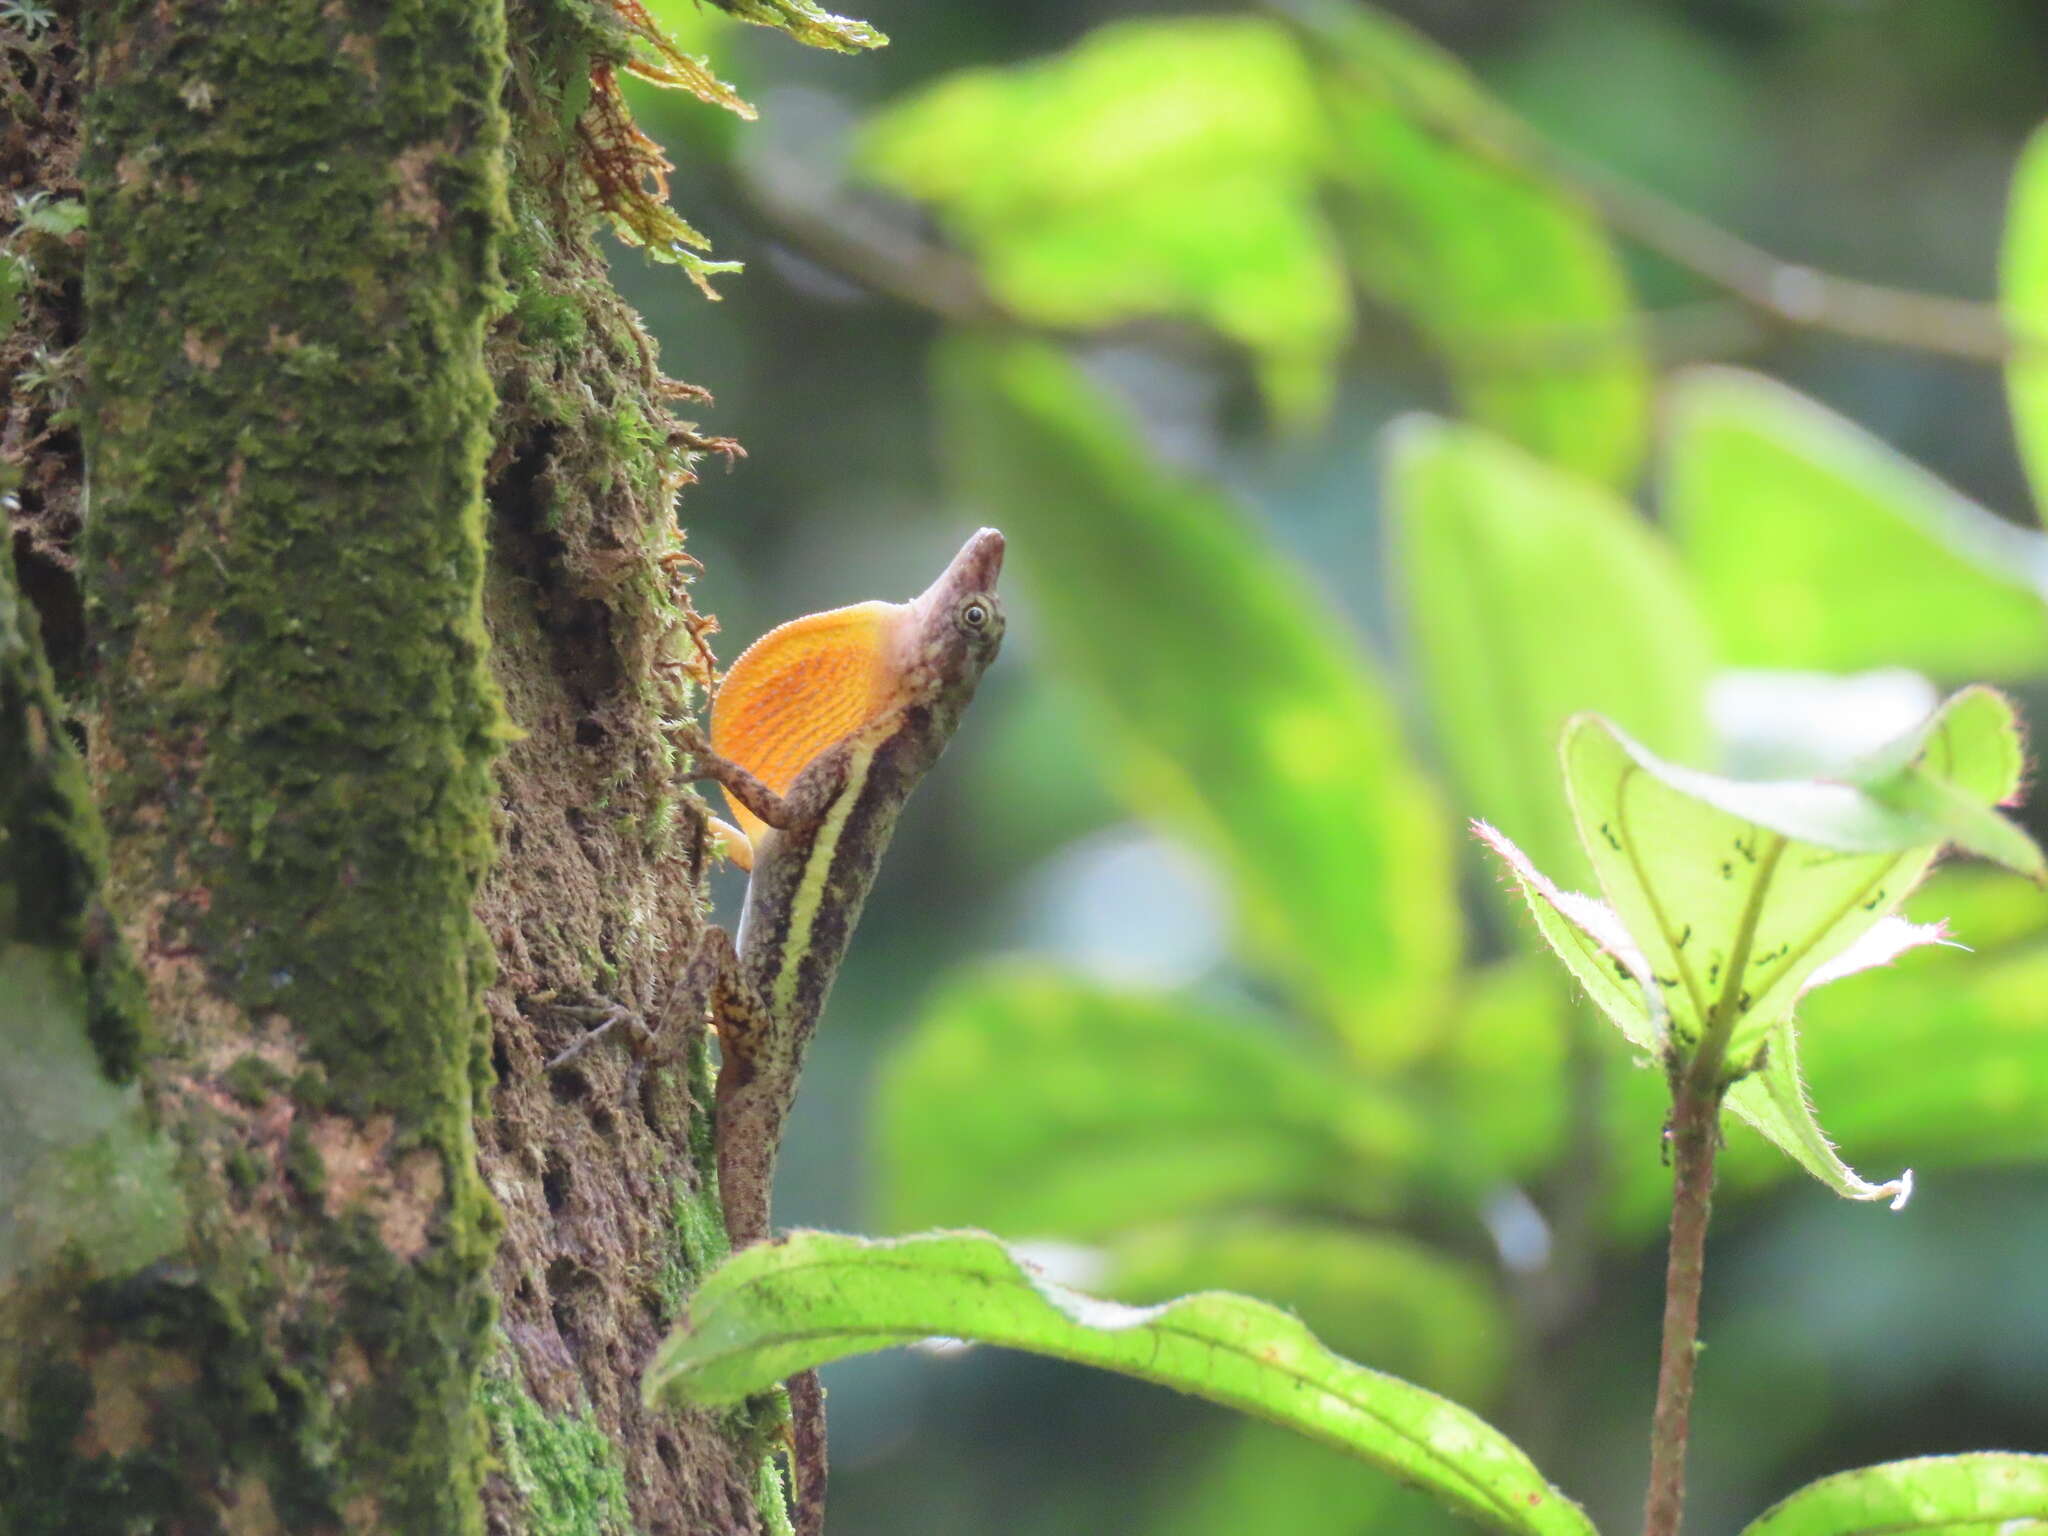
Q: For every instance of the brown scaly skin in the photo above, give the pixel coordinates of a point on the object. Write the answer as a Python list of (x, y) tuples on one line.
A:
[(813, 869)]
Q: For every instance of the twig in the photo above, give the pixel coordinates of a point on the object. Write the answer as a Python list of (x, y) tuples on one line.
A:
[(1695, 1131), (1785, 293)]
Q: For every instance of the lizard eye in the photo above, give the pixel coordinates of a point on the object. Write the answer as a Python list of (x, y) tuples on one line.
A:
[(974, 613)]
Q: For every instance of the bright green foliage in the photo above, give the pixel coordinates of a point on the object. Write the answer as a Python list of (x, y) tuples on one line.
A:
[(1814, 545), (1242, 713), (1726, 901), (1158, 168), (1379, 1297), (1184, 169), (1529, 595), (2023, 281), (1261, 1478), (1988, 1493), (1506, 273), (776, 1309), (1124, 1106), (1941, 1062)]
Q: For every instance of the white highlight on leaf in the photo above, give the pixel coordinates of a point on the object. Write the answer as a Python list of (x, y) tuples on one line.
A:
[(1592, 917), (1880, 944)]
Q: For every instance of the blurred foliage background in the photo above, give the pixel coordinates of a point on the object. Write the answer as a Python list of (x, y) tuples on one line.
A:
[(1183, 967)]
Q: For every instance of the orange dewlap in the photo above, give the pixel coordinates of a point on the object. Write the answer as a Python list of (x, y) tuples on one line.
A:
[(799, 689)]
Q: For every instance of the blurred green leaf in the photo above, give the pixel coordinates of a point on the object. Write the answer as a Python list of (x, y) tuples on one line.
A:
[(1240, 712), (1507, 274), (1046, 1107), (1499, 1072), (813, 1297), (1158, 167), (1530, 595), (1987, 1493), (2023, 284), (1373, 1296), (1814, 545), (1258, 1479)]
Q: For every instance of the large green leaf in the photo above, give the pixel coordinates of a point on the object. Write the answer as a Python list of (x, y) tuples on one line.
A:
[(1259, 1479), (1814, 545), (1375, 1296), (1727, 901), (1508, 274), (1124, 1106), (1739, 893), (1987, 1493), (1529, 595), (1240, 712), (778, 1308), (2023, 285), (1159, 167)]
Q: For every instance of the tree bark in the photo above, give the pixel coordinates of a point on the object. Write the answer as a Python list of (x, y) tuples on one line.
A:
[(384, 616)]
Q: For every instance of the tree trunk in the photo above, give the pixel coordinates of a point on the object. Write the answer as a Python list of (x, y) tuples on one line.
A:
[(383, 615)]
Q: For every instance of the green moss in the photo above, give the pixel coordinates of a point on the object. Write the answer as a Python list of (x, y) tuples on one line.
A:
[(243, 1171), (253, 1080), (303, 1164), (770, 1502), (566, 1470)]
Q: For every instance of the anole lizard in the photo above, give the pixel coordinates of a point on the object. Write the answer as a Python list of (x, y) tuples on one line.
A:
[(819, 733)]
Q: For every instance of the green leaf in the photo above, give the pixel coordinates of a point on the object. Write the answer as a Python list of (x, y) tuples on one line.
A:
[(1259, 1478), (1239, 711), (1738, 893), (778, 1308), (1595, 947), (1125, 1106), (1509, 276), (1942, 1063), (1773, 1099), (1986, 1493), (1954, 774), (1370, 1295), (1816, 546), (1530, 595), (1499, 1073), (1157, 168), (2023, 287)]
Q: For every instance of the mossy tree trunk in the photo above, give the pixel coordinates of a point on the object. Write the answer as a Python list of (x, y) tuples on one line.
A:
[(369, 637)]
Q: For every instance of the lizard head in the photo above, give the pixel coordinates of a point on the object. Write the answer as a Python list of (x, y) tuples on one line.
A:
[(956, 626)]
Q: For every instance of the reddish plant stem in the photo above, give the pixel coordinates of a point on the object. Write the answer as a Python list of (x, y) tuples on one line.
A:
[(1695, 1133)]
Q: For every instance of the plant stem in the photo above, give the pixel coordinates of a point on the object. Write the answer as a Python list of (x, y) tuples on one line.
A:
[(1695, 1132)]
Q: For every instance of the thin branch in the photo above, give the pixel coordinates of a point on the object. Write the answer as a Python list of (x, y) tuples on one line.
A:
[(1695, 1132), (1785, 293), (1789, 293)]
